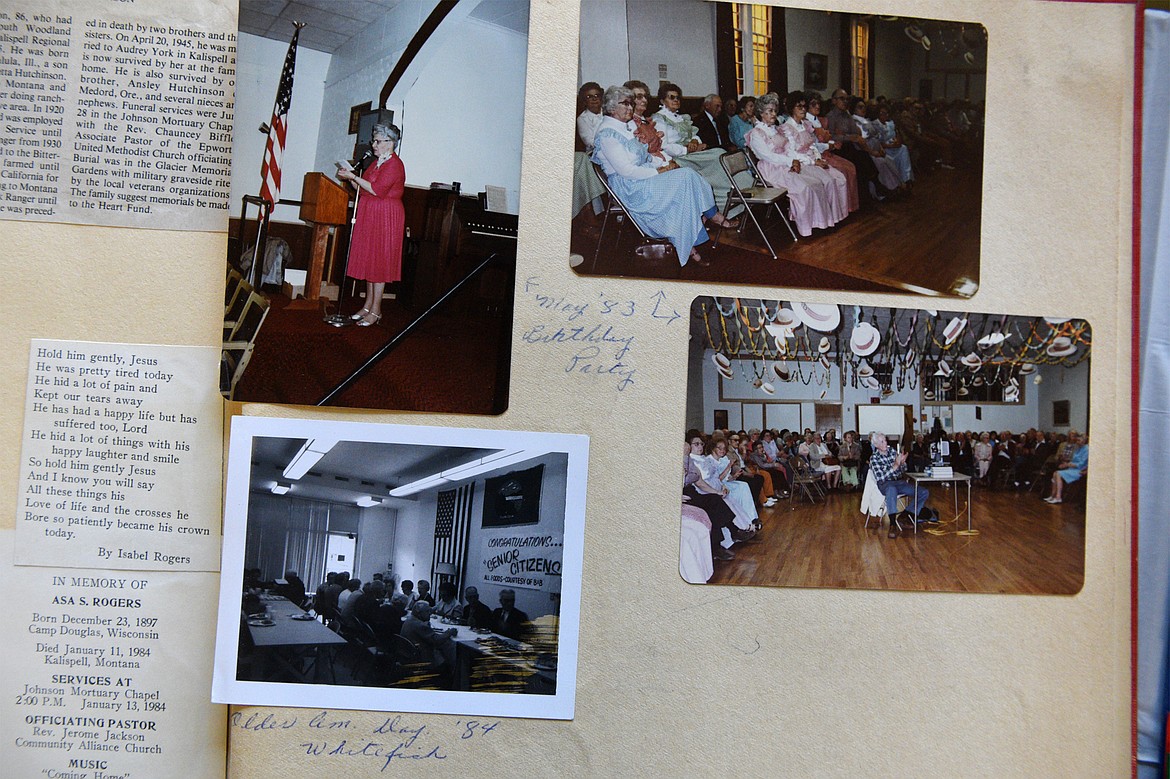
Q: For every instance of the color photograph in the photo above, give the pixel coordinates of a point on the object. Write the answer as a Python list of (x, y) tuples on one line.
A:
[(752, 144), (372, 235), (877, 448)]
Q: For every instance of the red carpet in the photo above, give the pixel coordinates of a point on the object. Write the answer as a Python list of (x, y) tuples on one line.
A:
[(450, 364)]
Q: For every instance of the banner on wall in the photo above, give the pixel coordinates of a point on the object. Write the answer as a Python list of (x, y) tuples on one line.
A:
[(525, 560), (513, 499)]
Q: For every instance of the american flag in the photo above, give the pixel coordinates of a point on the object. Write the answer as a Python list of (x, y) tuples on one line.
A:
[(452, 522), (278, 127)]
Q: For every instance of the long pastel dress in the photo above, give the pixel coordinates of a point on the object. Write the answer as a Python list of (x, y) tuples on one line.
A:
[(739, 495), (667, 205), (847, 168), (1080, 460), (801, 139), (887, 132), (376, 245), (810, 204), (887, 169)]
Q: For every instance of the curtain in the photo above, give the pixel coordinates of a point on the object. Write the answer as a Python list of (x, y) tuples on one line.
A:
[(308, 526), (1154, 413)]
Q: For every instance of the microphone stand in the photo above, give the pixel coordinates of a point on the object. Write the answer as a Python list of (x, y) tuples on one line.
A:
[(337, 319)]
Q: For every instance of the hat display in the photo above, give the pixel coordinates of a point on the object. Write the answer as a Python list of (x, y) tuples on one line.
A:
[(1027, 368), (822, 317), (721, 361), (869, 382), (785, 318), (971, 360), (824, 346), (768, 388), (781, 371), (1061, 346), (865, 339), (944, 369), (953, 329), (863, 370), (992, 339)]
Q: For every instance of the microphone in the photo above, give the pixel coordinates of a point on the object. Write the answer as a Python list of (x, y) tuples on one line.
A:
[(363, 160)]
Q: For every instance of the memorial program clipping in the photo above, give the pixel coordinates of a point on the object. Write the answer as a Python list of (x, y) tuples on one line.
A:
[(106, 672), (121, 457), (114, 115)]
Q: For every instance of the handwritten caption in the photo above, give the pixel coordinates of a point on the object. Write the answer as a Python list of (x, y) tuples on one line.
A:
[(327, 735), (595, 336)]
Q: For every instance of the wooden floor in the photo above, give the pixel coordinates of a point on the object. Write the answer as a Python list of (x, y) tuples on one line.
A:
[(926, 243), (1024, 545)]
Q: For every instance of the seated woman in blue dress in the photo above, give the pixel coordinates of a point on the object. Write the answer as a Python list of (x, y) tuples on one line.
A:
[(1070, 471), (666, 201)]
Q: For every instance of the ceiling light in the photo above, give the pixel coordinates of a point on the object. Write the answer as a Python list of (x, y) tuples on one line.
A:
[(313, 450), (368, 501), (281, 487)]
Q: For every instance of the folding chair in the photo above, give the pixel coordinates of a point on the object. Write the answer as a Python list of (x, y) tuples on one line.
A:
[(734, 163), (240, 342), (805, 481), (615, 206)]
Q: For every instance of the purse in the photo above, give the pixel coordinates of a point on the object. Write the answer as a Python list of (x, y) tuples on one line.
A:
[(658, 258)]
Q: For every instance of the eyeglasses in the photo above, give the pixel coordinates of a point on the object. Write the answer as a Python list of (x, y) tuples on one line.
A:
[(630, 103), (592, 96), (672, 96), (380, 140), (800, 105)]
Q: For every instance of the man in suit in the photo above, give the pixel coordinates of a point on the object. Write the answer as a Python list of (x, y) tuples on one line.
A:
[(476, 614), (712, 124), (436, 645), (508, 620)]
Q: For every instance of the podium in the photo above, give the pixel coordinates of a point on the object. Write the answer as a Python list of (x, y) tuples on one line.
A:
[(324, 205)]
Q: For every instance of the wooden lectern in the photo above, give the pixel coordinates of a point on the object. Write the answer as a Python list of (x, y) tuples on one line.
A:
[(324, 204)]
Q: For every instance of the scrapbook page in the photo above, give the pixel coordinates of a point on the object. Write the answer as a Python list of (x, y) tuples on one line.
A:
[(975, 643)]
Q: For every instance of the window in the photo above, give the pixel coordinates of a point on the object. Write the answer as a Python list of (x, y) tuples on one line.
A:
[(753, 46), (859, 57)]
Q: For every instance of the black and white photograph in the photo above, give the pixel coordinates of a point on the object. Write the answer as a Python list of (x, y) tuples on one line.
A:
[(790, 147), (374, 212), (881, 448), (387, 567)]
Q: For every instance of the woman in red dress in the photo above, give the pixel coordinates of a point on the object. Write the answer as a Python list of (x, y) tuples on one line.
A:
[(375, 253)]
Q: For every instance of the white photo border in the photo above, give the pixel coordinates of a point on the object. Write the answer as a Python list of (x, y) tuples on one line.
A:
[(227, 689)]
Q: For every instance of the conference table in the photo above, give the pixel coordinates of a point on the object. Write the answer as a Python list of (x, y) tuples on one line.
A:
[(295, 640), (497, 663), (927, 478)]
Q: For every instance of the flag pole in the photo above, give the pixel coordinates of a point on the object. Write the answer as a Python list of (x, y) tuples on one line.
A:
[(270, 168)]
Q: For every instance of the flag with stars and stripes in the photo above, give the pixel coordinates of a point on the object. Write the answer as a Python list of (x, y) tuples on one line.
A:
[(452, 522), (278, 127)]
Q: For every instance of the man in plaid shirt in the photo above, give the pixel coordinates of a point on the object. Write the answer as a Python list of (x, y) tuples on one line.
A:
[(887, 466)]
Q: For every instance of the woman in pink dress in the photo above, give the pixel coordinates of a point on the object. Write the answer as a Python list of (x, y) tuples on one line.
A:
[(804, 144), (812, 202), (826, 144), (375, 253)]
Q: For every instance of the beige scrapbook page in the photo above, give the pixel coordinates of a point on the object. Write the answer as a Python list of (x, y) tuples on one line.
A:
[(990, 292)]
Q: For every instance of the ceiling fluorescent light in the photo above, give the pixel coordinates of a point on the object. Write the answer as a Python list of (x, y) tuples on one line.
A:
[(312, 451), (487, 465), (281, 487), (418, 486), (368, 501)]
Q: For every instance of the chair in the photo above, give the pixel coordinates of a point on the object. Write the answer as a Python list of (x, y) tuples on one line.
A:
[(239, 344), (412, 668), (734, 163), (616, 206), (234, 307), (873, 503), (805, 481)]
